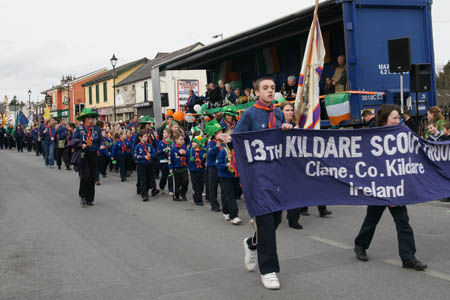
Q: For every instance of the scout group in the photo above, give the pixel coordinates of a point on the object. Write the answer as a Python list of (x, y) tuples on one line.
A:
[(206, 156)]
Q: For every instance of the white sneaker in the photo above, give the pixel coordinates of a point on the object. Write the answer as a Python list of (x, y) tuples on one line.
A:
[(226, 217), (249, 257), (203, 195), (170, 194), (270, 281), (236, 221)]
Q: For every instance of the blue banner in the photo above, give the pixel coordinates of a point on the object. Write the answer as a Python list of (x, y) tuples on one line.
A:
[(282, 170)]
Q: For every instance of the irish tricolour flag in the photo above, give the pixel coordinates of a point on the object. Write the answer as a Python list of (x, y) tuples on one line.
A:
[(338, 107)]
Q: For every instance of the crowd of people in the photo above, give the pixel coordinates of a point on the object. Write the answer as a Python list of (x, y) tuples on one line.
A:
[(224, 94), (203, 157)]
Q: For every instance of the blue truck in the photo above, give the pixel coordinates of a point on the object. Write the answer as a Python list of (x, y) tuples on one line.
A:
[(358, 29), (368, 25)]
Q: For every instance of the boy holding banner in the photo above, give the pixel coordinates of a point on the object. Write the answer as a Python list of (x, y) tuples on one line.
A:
[(262, 246)]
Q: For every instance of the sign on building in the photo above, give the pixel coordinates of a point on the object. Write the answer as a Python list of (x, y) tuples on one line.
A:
[(183, 86)]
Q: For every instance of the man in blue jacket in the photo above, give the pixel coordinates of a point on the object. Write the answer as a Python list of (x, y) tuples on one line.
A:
[(91, 137)]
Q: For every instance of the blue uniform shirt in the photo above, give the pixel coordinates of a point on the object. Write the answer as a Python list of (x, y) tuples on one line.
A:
[(82, 133), (61, 133), (222, 161), (257, 119), (163, 152), (178, 160), (197, 158), (119, 149), (213, 151), (140, 153), (46, 133)]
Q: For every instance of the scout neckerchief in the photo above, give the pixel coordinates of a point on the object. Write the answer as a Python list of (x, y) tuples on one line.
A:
[(182, 157), (145, 148), (231, 157), (50, 132), (272, 120), (230, 124), (198, 161), (124, 147), (90, 130)]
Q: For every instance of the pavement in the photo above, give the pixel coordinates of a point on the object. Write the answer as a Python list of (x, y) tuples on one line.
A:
[(123, 248)]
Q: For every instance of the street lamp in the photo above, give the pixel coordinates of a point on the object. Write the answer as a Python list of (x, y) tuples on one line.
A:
[(15, 105), (29, 103), (113, 63), (218, 35)]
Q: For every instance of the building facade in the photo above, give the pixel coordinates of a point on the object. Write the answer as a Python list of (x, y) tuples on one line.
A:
[(137, 90), (99, 92)]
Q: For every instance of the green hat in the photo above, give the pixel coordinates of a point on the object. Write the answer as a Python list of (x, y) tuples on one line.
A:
[(87, 113), (230, 111), (212, 127), (199, 140), (145, 120)]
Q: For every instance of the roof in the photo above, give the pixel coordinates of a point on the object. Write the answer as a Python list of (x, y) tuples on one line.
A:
[(82, 77), (267, 34), (144, 72), (119, 70)]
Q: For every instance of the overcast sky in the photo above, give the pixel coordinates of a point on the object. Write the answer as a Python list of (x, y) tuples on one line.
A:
[(42, 40)]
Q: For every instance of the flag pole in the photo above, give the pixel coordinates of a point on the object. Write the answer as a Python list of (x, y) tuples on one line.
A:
[(299, 97)]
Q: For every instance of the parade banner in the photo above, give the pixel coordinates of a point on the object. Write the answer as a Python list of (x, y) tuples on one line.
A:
[(281, 170)]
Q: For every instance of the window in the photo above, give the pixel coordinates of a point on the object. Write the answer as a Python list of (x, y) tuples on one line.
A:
[(133, 88), (97, 94), (145, 91), (90, 95), (105, 92)]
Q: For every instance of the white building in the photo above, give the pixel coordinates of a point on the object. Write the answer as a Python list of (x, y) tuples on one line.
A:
[(136, 90)]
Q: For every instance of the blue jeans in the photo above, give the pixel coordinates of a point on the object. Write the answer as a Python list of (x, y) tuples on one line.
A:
[(49, 148)]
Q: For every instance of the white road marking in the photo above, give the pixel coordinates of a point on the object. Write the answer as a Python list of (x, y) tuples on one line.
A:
[(432, 273), (330, 242)]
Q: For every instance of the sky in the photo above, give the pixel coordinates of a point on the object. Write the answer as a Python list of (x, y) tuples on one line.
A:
[(42, 40)]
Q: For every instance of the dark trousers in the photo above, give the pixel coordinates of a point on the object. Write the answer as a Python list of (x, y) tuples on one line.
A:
[(29, 145), (213, 182), (197, 185), (165, 178), (181, 181), (59, 155), (2, 142), (129, 162), (111, 166), (67, 156), (103, 163), (266, 246), (405, 235), (121, 161), (206, 180), (293, 215), (19, 142), (87, 176), (145, 174), (228, 192), (38, 148)]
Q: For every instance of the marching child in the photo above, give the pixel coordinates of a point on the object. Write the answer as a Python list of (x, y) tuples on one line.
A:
[(119, 153), (213, 129), (104, 155), (144, 153), (164, 147), (197, 159), (227, 175), (179, 168), (129, 157)]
